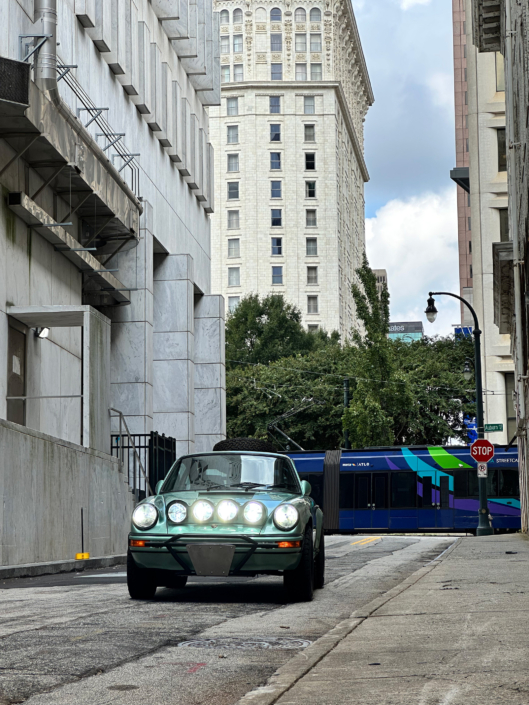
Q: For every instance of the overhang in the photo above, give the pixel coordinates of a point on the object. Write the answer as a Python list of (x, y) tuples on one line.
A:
[(461, 176)]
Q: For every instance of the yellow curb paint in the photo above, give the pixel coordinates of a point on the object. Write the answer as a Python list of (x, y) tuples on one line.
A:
[(364, 542)]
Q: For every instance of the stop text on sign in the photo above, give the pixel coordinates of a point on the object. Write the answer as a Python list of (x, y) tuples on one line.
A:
[(482, 450)]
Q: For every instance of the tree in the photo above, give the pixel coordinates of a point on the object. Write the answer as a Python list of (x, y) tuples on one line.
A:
[(267, 329)]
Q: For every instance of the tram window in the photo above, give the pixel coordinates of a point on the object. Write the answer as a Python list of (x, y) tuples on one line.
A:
[(461, 483), (315, 479), (427, 492), (380, 491), (492, 482), (508, 483), (403, 490), (346, 490), (473, 486), (444, 492), (362, 498)]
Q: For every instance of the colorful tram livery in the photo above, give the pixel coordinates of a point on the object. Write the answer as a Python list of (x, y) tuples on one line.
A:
[(410, 489)]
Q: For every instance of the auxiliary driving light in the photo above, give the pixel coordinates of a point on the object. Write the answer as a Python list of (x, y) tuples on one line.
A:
[(227, 510), (145, 516), (286, 516), (203, 511), (177, 512), (253, 512)]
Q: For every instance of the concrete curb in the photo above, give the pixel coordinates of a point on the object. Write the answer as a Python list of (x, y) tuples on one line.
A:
[(289, 674), (31, 570)]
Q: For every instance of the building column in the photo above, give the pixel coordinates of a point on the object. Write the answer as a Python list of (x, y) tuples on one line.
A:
[(173, 366), (210, 372)]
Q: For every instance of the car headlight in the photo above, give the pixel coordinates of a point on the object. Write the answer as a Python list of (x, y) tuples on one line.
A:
[(253, 512), (145, 516), (227, 510), (202, 511), (286, 516), (177, 512)]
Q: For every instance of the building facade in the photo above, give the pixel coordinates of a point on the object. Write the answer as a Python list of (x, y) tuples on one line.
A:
[(407, 331), (106, 169), (482, 202), (289, 168), (382, 279)]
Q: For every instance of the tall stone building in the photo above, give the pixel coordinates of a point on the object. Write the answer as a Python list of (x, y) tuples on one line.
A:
[(289, 167)]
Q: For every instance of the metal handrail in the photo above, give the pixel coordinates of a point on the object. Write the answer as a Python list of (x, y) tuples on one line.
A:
[(122, 422)]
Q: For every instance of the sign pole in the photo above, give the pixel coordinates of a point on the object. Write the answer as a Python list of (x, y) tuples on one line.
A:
[(484, 527)]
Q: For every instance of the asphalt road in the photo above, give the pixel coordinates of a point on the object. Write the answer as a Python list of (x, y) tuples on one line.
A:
[(78, 638)]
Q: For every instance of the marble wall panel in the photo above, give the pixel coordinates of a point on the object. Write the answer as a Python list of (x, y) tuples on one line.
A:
[(209, 376), (209, 412), (173, 306), (173, 346), (128, 352), (173, 382), (173, 267), (209, 340)]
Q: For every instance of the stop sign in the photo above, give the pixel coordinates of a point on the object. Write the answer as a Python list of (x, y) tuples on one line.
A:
[(482, 450)]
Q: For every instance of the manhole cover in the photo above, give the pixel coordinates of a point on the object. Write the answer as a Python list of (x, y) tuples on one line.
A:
[(233, 643)]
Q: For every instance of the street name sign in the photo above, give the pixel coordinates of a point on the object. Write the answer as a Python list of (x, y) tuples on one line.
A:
[(482, 450), (482, 469), (493, 427)]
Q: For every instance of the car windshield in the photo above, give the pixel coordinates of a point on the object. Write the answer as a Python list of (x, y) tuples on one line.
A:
[(241, 472)]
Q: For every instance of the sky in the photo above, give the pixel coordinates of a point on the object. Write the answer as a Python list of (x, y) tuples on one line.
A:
[(411, 216)]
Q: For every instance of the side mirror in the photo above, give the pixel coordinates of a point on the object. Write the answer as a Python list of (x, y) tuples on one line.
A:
[(306, 488), (158, 486)]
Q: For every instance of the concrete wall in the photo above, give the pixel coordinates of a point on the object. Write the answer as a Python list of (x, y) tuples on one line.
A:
[(44, 483)]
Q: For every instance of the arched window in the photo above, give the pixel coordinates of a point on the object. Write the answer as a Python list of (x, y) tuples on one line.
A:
[(224, 17), (315, 14), (300, 15), (260, 14), (237, 16), (275, 15)]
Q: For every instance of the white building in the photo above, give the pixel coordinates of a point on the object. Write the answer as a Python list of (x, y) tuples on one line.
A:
[(107, 195), (289, 168)]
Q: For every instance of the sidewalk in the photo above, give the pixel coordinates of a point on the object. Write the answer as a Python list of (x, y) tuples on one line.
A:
[(455, 633)]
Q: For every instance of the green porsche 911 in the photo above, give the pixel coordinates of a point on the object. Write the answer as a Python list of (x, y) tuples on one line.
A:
[(227, 513)]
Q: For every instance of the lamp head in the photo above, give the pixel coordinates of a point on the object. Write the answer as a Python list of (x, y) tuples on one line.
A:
[(467, 372), (42, 332), (431, 311)]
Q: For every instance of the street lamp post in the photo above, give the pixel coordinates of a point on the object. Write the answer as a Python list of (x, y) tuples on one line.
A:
[(484, 527)]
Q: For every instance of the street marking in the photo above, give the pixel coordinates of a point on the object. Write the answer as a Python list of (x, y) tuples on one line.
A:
[(102, 575), (364, 542)]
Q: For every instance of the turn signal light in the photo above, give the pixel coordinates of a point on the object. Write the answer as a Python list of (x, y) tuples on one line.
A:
[(289, 544), (137, 543)]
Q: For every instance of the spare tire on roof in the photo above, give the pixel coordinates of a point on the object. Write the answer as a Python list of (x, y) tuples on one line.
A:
[(255, 444)]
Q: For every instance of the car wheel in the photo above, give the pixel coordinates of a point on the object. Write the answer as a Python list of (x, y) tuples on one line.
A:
[(140, 583), (319, 565), (299, 583), (254, 444), (177, 582)]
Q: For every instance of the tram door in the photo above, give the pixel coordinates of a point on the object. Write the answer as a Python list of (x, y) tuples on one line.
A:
[(371, 508), (435, 512)]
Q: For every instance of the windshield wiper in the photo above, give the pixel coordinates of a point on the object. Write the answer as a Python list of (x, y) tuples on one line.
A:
[(247, 486)]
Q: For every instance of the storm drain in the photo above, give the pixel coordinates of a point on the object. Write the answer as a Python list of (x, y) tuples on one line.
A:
[(234, 643)]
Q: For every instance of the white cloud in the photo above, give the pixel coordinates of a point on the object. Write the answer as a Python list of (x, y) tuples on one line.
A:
[(407, 4), (441, 85), (415, 240)]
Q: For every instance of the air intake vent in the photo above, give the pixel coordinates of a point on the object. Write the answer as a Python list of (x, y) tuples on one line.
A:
[(14, 81)]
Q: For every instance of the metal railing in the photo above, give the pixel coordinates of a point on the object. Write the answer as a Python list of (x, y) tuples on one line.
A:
[(129, 454)]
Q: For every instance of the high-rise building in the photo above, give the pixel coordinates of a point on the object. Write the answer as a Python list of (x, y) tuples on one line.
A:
[(382, 279), (289, 166)]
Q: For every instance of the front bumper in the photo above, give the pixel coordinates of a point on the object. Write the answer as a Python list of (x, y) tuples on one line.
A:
[(252, 554)]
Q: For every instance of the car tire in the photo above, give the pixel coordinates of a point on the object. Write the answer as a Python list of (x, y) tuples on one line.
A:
[(252, 444), (319, 565), (177, 582), (299, 583), (140, 583)]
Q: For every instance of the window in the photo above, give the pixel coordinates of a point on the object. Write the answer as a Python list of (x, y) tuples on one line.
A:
[(234, 276), (508, 483), (301, 42), (310, 189), (315, 15), (277, 275), (224, 17), (238, 72), (470, 247), (311, 219), (233, 302), (312, 246), (313, 327), (225, 44), (275, 133), (403, 490), (502, 151), (310, 161), (309, 107), (312, 275), (277, 72), (275, 15), (300, 15), (233, 162), (301, 72), (315, 72), (16, 375), (232, 105), (233, 190), (275, 160), (469, 223), (504, 225), (275, 189), (500, 72), (234, 247), (310, 133), (225, 74), (312, 304), (237, 43), (275, 104), (276, 42), (277, 246), (237, 16), (277, 220), (233, 220), (471, 275), (509, 404), (315, 42), (233, 134)]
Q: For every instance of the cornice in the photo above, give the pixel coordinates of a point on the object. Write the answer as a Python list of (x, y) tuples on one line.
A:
[(362, 60), (315, 87)]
